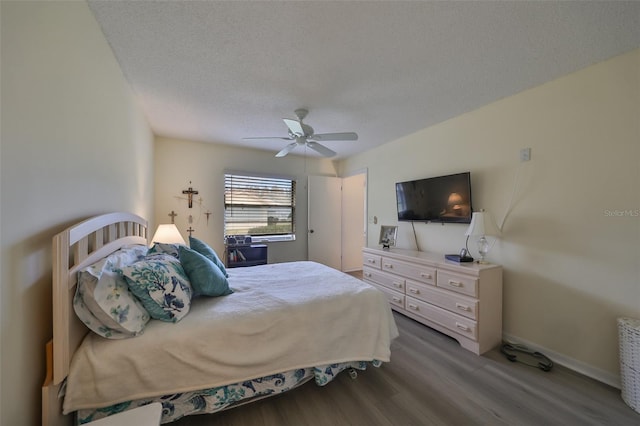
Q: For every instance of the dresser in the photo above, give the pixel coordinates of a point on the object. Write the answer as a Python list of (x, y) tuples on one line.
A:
[(461, 300)]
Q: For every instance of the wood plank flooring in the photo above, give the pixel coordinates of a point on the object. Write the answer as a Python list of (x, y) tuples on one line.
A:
[(431, 380)]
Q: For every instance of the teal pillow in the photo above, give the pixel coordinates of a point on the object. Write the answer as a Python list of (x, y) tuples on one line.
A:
[(205, 277), (208, 252), (162, 285)]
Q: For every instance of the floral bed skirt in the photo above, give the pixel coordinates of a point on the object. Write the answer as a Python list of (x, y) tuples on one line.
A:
[(217, 399)]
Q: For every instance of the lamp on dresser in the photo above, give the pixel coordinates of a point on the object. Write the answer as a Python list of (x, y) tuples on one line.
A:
[(481, 226), (168, 233)]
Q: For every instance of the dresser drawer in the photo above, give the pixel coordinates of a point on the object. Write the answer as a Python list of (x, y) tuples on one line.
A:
[(458, 283), (420, 273), (452, 302), (383, 278), (371, 260), (456, 323), (395, 298)]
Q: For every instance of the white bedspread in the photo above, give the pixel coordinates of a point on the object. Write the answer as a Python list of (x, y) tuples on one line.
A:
[(280, 317)]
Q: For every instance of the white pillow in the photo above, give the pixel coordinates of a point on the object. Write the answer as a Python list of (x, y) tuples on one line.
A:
[(103, 300)]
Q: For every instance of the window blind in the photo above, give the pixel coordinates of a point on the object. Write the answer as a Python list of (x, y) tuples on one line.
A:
[(256, 205)]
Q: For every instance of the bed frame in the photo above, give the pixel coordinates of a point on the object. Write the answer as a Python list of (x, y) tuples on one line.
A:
[(73, 249)]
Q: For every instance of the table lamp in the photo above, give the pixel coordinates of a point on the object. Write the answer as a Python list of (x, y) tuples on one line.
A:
[(168, 233), (482, 225)]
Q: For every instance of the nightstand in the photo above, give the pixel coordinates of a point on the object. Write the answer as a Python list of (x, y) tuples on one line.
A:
[(246, 255)]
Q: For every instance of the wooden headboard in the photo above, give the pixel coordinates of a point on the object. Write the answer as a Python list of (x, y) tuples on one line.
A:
[(73, 249)]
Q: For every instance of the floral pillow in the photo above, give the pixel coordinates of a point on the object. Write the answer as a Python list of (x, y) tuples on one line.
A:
[(161, 284), (202, 248), (164, 248), (103, 300)]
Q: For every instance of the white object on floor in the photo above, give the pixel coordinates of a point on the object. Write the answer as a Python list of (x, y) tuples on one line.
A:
[(147, 415), (629, 341)]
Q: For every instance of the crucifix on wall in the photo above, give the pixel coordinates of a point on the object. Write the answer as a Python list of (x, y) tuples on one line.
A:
[(191, 231), (190, 193)]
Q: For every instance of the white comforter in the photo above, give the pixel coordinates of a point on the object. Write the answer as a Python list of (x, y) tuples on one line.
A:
[(280, 317)]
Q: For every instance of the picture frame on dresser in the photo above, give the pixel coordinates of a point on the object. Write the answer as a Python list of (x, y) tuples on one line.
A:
[(388, 235)]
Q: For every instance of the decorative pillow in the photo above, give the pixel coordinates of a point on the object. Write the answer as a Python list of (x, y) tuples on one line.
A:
[(91, 321), (103, 300), (161, 284), (205, 277), (164, 248), (118, 259), (202, 248)]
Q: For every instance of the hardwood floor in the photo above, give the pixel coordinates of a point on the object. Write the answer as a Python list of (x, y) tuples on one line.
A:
[(431, 380)]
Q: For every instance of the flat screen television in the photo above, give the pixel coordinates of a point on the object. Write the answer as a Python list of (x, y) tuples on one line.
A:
[(436, 199)]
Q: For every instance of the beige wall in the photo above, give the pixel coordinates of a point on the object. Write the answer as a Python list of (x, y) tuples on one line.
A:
[(74, 144), (571, 266), (177, 162)]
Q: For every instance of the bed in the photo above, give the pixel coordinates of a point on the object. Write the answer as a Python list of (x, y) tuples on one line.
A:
[(278, 326)]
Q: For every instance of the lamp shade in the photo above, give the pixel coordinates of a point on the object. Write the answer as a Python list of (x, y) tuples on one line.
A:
[(482, 224), (168, 233), (454, 200)]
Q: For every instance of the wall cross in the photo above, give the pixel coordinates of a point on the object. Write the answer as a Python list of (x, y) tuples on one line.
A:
[(190, 193), (173, 216)]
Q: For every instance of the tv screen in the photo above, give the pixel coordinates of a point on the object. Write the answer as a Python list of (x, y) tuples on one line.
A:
[(436, 199)]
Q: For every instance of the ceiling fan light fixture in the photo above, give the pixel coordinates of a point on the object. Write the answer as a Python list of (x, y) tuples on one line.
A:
[(303, 134)]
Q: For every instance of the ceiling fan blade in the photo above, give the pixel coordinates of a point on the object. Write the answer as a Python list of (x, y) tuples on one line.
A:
[(294, 126), (269, 137), (347, 136), (321, 149), (287, 149)]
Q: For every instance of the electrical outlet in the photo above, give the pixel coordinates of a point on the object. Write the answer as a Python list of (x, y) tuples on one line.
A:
[(525, 154)]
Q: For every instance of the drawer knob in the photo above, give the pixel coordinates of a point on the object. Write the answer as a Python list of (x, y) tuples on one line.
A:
[(371, 261), (412, 306), (388, 265), (463, 307), (455, 283), (367, 274), (414, 290), (397, 284), (425, 275), (462, 327), (396, 299)]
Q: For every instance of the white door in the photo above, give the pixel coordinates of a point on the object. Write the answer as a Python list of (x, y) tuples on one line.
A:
[(354, 233), (325, 218)]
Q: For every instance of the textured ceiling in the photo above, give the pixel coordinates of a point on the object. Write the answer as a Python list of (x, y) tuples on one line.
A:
[(222, 71)]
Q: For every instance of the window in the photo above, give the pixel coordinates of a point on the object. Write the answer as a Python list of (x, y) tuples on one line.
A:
[(259, 206)]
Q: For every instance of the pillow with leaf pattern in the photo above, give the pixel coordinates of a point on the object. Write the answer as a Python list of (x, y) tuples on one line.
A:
[(164, 248), (160, 283), (103, 301)]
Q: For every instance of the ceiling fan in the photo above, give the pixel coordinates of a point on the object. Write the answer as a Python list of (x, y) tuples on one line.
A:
[(303, 135)]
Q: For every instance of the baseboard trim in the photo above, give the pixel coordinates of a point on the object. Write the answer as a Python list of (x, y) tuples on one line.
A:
[(570, 363)]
